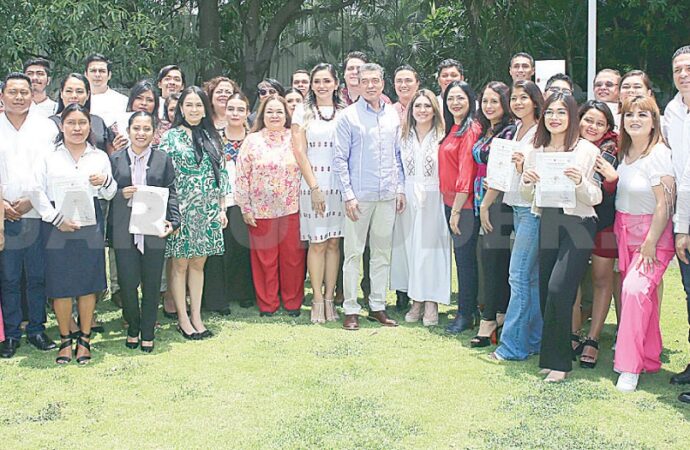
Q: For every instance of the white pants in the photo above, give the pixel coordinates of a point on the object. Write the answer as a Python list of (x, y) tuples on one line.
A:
[(376, 219)]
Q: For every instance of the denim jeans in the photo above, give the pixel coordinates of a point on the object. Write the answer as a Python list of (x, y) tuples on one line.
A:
[(522, 329), (23, 249), (466, 264), (685, 277)]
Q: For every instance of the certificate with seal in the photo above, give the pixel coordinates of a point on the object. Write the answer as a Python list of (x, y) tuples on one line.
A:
[(555, 189), (149, 208), (500, 169)]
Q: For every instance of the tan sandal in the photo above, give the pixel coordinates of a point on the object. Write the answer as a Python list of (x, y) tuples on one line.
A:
[(331, 312), (430, 318), (317, 312), (415, 312)]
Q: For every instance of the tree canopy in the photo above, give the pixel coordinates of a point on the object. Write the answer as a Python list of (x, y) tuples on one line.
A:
[(240, 38)]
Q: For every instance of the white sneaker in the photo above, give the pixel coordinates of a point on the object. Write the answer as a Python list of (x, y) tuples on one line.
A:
[(627, 382)]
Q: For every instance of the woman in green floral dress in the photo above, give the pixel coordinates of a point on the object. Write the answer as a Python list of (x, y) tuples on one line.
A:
[(202, 184)]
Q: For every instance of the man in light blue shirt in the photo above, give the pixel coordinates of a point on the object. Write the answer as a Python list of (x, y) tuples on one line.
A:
[(367, 161)]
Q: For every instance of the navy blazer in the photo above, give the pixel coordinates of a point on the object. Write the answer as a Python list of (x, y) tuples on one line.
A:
[(160, 173)]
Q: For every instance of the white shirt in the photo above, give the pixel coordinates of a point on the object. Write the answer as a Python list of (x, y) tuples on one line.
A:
[(109, 105), (46, 108), (19, 151), (613, 106), (513, 196), (635, 181), (60, 164), (676, 128)]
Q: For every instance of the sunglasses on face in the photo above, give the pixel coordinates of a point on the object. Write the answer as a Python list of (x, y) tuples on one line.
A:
[(269, 91)]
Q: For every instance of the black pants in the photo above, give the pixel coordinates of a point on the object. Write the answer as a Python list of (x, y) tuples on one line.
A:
[(133, 269), (465, 251), (495, 260), (565, 244), (229, 276)]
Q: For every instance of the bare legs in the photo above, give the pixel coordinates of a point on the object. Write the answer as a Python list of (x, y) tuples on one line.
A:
[(322, 262), (188, 272), (86, 305)]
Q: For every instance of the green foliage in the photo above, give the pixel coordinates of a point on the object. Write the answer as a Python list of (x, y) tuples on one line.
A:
[(138, 36)]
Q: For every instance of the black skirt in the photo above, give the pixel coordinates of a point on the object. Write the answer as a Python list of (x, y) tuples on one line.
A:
[(75, 262)]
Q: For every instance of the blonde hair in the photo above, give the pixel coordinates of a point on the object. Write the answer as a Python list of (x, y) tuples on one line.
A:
[(437, 122), (643, 103)]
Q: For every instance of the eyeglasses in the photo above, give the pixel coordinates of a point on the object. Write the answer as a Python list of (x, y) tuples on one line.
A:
[(269, 91), (608, 84), (557, 90)]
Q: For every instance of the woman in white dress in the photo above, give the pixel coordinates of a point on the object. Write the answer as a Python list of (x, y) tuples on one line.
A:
[(421, 263), (321, 206)]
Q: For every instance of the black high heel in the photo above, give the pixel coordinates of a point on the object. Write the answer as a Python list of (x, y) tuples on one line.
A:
[(147, 348), (191, 337), (577, 351), (87, 345), (589, 342), (132, 345), (66, 343)]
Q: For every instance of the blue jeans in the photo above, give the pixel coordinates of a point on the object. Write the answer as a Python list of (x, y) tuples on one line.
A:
[(23, 249), (522, 329), (466, 264)]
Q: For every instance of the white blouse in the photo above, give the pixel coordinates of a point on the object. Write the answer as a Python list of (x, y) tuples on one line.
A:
[(513, 196), (635, 180), (60, 164)]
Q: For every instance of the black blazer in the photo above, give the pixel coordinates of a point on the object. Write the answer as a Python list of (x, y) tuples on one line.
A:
[(160, 173)]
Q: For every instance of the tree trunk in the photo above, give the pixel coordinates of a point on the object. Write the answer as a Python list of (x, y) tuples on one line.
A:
[(209, 37)]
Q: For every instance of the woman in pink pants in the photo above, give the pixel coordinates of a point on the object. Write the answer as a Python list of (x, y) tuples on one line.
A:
[(644, 206)]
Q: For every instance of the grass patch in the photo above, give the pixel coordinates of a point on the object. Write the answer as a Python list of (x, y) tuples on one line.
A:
[(282, 382)]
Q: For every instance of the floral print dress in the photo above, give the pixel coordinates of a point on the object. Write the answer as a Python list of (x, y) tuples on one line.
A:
[(198, 195)]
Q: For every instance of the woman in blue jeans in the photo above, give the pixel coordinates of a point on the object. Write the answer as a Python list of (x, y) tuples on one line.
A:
[(521, 334)]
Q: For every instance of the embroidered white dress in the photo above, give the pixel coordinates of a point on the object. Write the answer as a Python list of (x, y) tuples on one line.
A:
[(421, 258), (320, 149)]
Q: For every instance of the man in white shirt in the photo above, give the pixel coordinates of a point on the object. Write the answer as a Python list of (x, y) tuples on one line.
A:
[(25, 137), (676, 129), (38, 70), (606, 89), (105, 102)]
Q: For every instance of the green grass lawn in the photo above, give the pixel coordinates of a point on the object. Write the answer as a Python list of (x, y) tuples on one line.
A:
[(285, 383)]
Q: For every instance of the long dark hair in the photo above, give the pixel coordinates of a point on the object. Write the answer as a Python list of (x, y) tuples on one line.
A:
[(139, 88), (82, 78), (602, 108), (205, 138), (66, 111), (469, 118), (504, 97), (338, 102), (542, 137)]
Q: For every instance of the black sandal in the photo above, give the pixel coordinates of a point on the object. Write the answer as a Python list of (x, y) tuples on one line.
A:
[(65, 343), (589, 342), (577, 351), (87, 345)]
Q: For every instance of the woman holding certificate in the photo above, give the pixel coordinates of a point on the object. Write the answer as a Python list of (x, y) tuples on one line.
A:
[(521, 335), (497, 125), (559, 178), (139, 258), (644, 206), (201, 183), (597, 126), (268, 182), (421, 241), (73, 177), (457, 171)]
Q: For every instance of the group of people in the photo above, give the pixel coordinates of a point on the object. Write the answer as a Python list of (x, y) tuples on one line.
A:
[(328, 181)]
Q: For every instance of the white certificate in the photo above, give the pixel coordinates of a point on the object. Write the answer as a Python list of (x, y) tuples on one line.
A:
[(74, 199), (500, 169), (149, 208), (555, 189)]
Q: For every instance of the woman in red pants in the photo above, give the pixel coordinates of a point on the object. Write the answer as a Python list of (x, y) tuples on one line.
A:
[(267, 192)]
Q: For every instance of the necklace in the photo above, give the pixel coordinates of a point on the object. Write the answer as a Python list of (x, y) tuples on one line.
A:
[(318, 113)]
